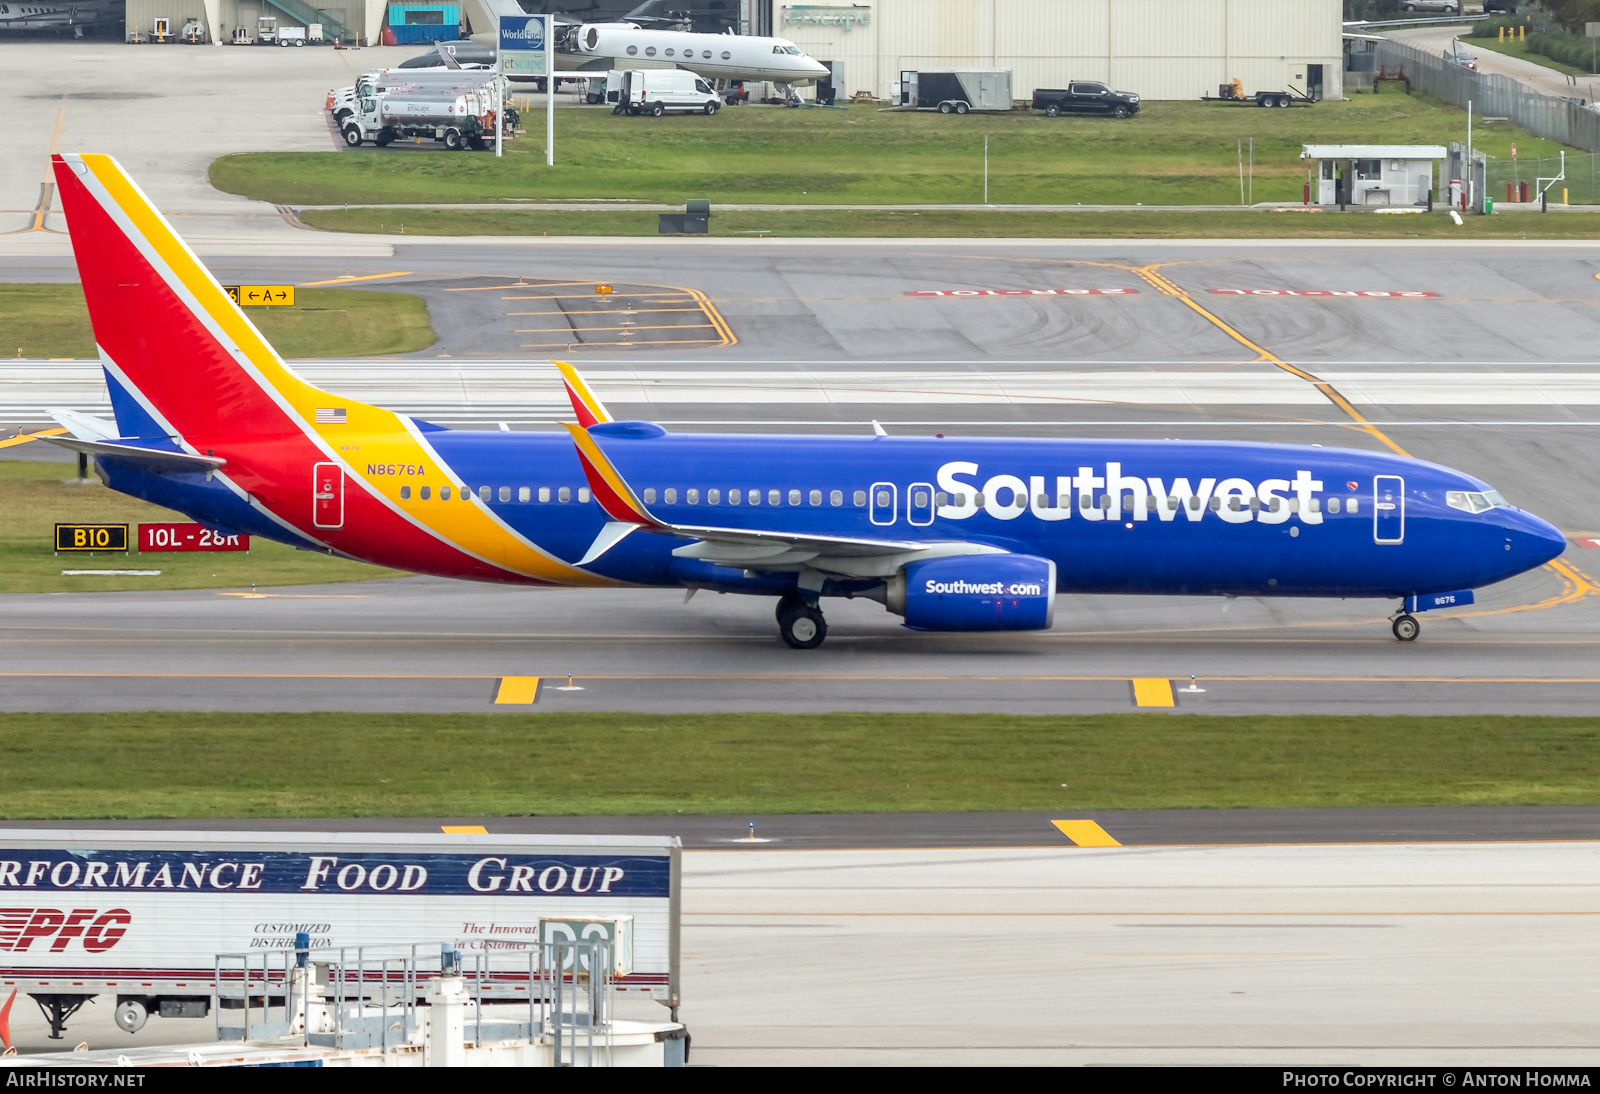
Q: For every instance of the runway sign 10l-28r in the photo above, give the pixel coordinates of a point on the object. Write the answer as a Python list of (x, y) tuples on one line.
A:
[(91, 537), (188, 537)]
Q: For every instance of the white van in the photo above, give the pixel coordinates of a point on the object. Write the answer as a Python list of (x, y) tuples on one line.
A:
[(656, 91)]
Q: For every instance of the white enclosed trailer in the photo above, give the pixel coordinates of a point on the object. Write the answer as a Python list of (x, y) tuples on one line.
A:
[(142, 916)]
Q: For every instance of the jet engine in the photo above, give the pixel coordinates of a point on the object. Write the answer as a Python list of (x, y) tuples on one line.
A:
[(975, 593)]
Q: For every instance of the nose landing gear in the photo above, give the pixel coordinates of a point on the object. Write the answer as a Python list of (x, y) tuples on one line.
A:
[(800, 622), (1405, 627)]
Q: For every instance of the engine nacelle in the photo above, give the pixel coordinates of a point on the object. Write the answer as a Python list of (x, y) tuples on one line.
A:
[(976, 593)]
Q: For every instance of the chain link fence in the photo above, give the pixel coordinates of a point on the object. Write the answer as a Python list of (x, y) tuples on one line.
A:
[(1492, 96), (1582, 184)]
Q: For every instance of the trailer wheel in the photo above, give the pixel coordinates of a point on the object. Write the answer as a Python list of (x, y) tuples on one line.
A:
[(657, 110), (945, 108), (298, 42), (962, 108), (452, 140), (1283, 100), (352, 136), (1053, 110), (1119, 112)]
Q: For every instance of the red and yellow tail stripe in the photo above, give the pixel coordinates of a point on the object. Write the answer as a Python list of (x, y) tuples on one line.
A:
[(610, 489), (191, 357), (590, 410)]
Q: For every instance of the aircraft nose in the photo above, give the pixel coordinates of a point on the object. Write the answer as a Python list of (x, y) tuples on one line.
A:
[(1530, 540)]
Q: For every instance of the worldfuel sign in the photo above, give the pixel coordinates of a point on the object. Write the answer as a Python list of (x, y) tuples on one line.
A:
[(525, 42)]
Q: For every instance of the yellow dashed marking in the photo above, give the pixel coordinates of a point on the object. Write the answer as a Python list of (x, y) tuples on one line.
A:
[(1152, 693), (1086, 833), (517, 690), (463, 830)]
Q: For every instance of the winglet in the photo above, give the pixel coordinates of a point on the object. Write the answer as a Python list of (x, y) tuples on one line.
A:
[(590, 411), (615, 496)]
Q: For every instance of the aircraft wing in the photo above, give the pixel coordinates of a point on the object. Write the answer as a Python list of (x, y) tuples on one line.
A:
[(743, 548)]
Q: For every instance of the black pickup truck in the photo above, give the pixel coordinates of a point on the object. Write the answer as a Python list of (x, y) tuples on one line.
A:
[(1086, 98)]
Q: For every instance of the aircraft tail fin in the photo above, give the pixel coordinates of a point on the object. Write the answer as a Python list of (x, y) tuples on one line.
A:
[(188, 362), (590, 410)]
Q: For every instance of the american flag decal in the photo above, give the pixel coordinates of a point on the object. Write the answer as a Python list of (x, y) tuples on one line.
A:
[(330, 415)]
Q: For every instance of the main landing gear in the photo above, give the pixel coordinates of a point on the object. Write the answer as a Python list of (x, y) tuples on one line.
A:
[(1405, 627), (800, 622)]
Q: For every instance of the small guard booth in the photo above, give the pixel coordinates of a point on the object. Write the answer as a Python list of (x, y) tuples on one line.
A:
[(1372, 174)]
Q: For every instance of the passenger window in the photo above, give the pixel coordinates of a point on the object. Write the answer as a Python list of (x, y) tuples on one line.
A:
[(977, 499), (713, 496), (693, 496), (735, 497), (672, 495), (836, 497), (726, 55), (705, 54), (669, 51), (920, 499), (816, 497), (941, 498), (1105, 502), (774, 497), (860, 498), (483, 493), (544, 493), (794, 497), (883, 498), (1294, 505), (424, 493), (1233, 504), (755, 497), (524, 493), (1216, 505), (649, 51), (1333, 505), (1194, 502), (1255, 505), (444, 493), (633, 51), (1277, 504), (1316, 505), (1351, 506), (565, 494), (583, 495), (405, 493), (505, 493), (650, 495)]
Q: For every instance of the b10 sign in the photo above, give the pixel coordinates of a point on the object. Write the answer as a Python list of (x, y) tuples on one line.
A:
[(188, 537)]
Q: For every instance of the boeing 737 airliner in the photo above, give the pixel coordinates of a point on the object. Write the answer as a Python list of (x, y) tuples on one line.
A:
[(953, 534)]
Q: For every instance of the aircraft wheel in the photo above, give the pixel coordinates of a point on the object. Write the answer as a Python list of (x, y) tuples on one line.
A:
[(657, 110), (1406, 628), (352, 136), (1053, 110), (803, 627), (945, 108)]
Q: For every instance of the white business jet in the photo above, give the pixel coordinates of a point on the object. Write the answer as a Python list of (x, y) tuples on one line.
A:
[(713, 56), (74, 15)]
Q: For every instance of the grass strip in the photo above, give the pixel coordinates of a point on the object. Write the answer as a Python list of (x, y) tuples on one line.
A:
[(35, 494), (53, 321), (976, 224), (347, 765), (1170, 153)]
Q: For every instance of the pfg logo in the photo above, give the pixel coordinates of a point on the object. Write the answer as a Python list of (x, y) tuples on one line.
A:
[(20, 928)]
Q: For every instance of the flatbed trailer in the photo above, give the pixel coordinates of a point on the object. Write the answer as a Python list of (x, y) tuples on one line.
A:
[(1232, 94)]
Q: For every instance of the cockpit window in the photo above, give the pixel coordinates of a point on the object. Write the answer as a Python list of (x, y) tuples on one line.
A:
[(1469, 501), (793, 50)]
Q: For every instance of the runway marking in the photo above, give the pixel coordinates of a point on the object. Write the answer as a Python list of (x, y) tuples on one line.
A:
[(596, 311), (1085, 833), (517, 691), (641, 342), (363, 277), (519, 285), (662, 326), (1455, 681), (1152, 692), (1170, 288), (24, 438), (463, 830)]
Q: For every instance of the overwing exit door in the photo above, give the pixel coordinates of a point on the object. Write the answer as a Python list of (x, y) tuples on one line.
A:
[(327, 495), (1388, 508)]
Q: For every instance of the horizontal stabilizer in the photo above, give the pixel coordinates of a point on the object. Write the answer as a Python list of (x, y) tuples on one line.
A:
[(159, 459), (85, 427)]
